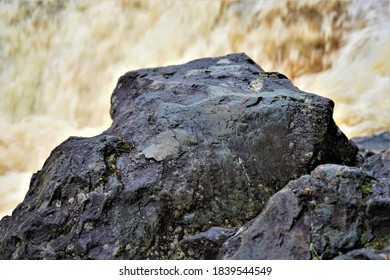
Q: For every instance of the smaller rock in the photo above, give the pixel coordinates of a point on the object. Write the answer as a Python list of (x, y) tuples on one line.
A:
[(378, 165), (333, 210), (366, 254), (205, 245), (378, 205), (374, 144)]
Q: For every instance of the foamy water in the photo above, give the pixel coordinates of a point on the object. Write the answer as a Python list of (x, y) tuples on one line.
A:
[(60, 60)]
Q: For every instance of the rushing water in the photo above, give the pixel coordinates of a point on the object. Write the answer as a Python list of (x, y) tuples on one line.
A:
[(60, 60)]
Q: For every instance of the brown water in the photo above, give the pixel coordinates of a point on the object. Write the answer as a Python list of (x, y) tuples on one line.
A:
[(60, 60)]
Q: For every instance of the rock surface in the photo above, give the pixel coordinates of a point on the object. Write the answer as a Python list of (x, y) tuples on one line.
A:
[(205, 245), (334, 210), (366, 254), (378, 206), (374, 144), (191, 147)]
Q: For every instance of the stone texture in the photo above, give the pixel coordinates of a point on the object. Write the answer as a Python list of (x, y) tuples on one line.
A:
[(373, 144), (366, 254), (191, 147), (378, 206), (334, 210), (204, 245)]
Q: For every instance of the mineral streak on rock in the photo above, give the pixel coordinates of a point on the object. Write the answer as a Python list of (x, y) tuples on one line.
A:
[(185, 153)]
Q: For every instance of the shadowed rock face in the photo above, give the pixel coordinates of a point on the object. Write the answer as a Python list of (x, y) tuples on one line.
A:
[(199, 145)]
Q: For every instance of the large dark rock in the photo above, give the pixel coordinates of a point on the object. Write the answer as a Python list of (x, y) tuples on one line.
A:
[(194, 146), (334, 210)]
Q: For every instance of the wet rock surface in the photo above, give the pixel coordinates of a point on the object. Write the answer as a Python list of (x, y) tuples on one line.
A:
[(334, 210), (191, 147)]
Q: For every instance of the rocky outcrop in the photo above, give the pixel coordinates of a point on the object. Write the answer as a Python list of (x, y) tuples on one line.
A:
[(191, 147), (334, 210)]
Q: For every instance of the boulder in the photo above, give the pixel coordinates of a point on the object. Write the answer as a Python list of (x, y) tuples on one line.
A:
[(333, 210), (191, 147)]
